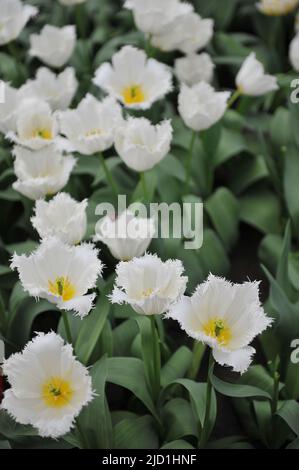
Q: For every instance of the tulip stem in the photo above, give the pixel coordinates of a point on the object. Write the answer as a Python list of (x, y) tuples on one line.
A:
[(81, 19), (237, 93), (198, 352), (144, 186), (205, 432), (156, 358), (108, 174), (275, 395), (67, 326), (189, 160)]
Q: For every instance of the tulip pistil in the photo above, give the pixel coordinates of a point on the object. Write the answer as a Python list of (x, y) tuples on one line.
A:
[(133, 94), (57, 392)]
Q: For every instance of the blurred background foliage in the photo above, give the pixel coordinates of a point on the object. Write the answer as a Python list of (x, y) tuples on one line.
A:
[(245, 171)]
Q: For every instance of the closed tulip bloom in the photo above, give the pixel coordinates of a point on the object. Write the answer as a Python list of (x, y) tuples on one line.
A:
[(41, 173), (187, 34), (200, 106), (226, 317), (194, 68), (153, 16), (57, 90), (53, 46), (148, 284), (49, 387), (277, 7), (61, 274), (126, 236), (90, 128), (36, 126), (134, 80), (252, 79), (294, 53), (141, 145), (62, 217), (14, 17)]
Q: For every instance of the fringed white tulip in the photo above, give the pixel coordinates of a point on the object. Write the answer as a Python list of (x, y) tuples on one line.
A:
[(62, 217), (140, 144), (277, 7), (14, 17), (36, 125), (53, 46), (8, 109), (90, 128), (194, 68), (187, 34), (153, 16), (60, 273), (252, 79), (41, 173), (226, 317), (58, 90), (148, 284), (200, 106), (133, 79), (294, 52), (126, 236), (49, 386)]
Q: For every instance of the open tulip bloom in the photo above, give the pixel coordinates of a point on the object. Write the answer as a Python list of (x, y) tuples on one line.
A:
[(90, 128), (61, 217), (148, 284), (42, 172), (126, 236), (61, 274), (49, 387), (134, 80), (140, 144), (226, 317)]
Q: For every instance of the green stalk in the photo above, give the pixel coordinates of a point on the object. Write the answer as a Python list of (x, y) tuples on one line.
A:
[(67, 326), (108, 174), (205, 433), (80, 14), (144, 187), (156, 359), (189, 160), (237, 93), (198, 352)]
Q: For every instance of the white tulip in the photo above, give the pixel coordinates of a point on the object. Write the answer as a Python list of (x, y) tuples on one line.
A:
[(194, 68), (134, 80), (140, 144), (53, 46), (14, 17), (252, 79), (62, 217), (225, 316), (60, 273), (149, 285), (41, 173), (49, 387), (8, 109), (294, 52), (187, 34), (153, 16), (36, 126), (126, 236), (90, 128), (58, 90), (277, 7), (200, 106)]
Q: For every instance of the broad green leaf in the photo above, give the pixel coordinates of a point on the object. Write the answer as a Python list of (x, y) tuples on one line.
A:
[(238, 390), (136, 433), (177, 366)]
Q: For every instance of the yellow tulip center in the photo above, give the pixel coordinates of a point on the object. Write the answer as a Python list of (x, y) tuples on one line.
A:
[(62, 287), (43, 134), (216, 328), (57, 392), (133, 94), (93, 132), (147, 293)]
